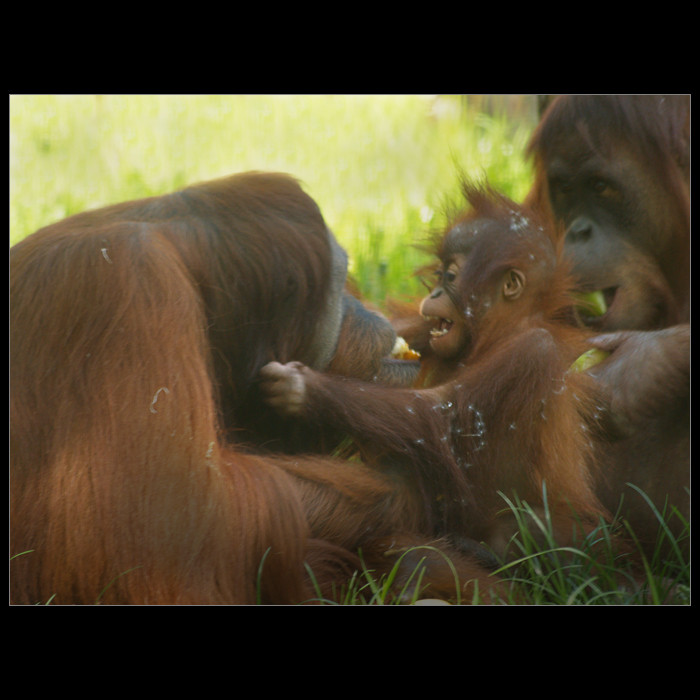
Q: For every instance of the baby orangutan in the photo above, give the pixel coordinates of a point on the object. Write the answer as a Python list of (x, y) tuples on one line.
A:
[(498, 408)]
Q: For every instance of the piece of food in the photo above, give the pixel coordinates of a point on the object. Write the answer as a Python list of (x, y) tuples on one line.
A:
[(588, 359), (402, 351), (593, 303)]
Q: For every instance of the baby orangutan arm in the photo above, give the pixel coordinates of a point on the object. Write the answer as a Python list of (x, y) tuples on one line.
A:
[(403, 431), (373, 413)]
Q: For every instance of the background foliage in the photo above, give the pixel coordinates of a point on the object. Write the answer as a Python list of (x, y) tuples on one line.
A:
[(381, 167)]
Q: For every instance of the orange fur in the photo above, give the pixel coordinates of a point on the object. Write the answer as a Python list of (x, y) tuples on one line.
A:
[(136, 336)]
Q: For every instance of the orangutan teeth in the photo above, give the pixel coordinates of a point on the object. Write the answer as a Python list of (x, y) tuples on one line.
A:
[(443, 327)]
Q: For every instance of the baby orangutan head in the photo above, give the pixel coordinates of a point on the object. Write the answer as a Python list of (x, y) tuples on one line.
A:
[(495, 257)]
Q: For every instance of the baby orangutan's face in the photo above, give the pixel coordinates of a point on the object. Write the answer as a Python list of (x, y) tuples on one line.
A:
[(450, 334)]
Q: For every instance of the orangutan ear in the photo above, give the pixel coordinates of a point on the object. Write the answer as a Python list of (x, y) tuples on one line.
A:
[(514, 284)]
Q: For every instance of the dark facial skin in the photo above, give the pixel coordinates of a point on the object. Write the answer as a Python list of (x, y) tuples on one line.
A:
[(450, 335), (618, 226)]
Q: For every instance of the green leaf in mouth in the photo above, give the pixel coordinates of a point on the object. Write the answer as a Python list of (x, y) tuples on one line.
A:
[(593, 303), (588, 359)]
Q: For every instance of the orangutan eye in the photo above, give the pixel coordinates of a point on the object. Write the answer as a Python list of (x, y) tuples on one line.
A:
[(560, 186), (602, 188), (452, 272), (445, 277)]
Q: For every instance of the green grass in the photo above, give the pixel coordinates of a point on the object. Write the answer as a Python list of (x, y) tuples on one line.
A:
[(380, 167), (596, 569), (592, 571)]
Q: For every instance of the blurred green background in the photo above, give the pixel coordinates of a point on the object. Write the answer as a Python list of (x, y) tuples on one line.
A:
[(381, 167)]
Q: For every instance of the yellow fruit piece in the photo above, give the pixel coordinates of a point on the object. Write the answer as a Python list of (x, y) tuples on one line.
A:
[(588, 359), (402, 351)]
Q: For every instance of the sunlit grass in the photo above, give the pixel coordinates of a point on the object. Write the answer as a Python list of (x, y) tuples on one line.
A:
[(595, 569), (380, 167)]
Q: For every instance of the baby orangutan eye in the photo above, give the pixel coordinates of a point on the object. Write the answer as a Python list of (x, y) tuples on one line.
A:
[(445, 276), (451, 273)]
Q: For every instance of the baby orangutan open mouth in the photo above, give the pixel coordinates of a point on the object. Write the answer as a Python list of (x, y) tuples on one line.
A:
[(448, 336), (442, 327)]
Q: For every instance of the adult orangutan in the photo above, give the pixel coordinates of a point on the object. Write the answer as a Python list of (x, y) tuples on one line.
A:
[(137, 333), (502, 410), (615, 170)]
